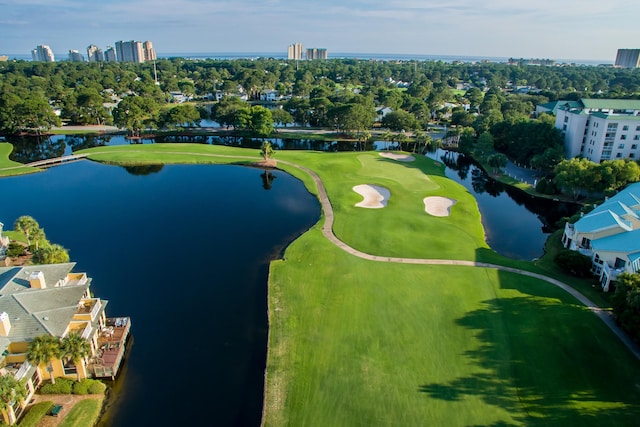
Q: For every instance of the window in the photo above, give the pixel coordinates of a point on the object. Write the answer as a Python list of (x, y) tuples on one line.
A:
[(621, 146), (632, 156), (620, 263), (634, 146), (623, 137), (625, 127), (618, 155), (636, 137), (586, 243), (566, 119), (596, 259), (637, 127)]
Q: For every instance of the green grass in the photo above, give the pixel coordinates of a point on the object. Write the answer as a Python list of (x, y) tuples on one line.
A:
[(9, 167), (359, 343), (35, 414), (84, 413)]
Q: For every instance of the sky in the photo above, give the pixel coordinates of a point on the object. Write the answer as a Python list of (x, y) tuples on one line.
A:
[(555, 29)]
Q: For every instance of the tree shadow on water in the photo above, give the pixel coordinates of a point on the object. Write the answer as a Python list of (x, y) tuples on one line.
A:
[(545, 360)]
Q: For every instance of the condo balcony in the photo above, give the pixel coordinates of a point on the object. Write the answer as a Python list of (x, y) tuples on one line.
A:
[(111, 348)]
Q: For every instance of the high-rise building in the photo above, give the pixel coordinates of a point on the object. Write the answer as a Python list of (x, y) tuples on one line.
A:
[(110, 54), (149, 51), (628, 58), (295, 51), (75, 56), (130, 51), (43, 53), (94, 54), (316, 53)]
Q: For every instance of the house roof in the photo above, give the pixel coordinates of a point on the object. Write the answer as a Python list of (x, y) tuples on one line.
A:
[(599, 221), (616, 104), (34, 312), (620, 117), (634, 256), (618, 208), (623, 242)]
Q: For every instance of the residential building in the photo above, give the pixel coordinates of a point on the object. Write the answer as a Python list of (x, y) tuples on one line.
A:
[(43, 53), (52, 300), (110, 54), (269, 95), (294, 51), (130, 51), (316, 53), (94, 54), (600, 129), (609, 235), (552, 107), (149, 52), (75, 56), (628, 58)]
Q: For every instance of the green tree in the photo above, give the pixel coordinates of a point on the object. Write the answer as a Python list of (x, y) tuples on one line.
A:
[(497, 161), (11, 391), (626, 303), (266, 150), (281, 116), (570, 175), (27, 226), (76, 349), (50, 254), (484, 145), (43, 350), (399, 120)]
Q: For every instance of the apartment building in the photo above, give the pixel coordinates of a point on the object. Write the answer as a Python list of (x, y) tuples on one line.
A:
[(600, 129)]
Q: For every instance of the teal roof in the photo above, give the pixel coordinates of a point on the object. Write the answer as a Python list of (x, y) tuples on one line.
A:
[(634, 257), (553, 106), (623, 242), (618, 208), (620, 117), (616, 104), (601, 221)]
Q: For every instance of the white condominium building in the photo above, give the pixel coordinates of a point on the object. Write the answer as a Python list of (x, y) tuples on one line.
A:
[(43, 53), (600, 129), (628, 58)]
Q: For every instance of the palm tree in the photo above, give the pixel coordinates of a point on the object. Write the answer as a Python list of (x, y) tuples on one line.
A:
[(26, 225), (11, 391), (75, 348), (42, 350)]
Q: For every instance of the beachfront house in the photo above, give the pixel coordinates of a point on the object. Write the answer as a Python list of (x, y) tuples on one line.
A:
[(609, 235), (52, 300)]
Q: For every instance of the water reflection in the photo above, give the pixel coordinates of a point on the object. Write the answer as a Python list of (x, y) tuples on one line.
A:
[(516, 224), (142, 170), (267, 179)]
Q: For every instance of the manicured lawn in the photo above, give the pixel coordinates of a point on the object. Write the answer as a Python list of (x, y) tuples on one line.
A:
[(84, 413), (35, 414), (355, 342), (9, 167)]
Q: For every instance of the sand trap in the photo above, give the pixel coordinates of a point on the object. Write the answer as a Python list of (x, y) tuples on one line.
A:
[(375, 197), (438, 206), (398, 157)]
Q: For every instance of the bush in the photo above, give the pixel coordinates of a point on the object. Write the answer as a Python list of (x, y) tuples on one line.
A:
[(89, 386), (62, 386), (15, 249), (35, 414), (573, 262)]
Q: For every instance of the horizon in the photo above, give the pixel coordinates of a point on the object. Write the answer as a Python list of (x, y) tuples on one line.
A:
[(588, 30)]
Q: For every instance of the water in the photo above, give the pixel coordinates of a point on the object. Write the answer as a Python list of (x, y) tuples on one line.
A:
[(516, 224), (184, 251)]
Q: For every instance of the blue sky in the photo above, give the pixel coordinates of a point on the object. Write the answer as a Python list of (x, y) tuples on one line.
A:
[(558, 29)]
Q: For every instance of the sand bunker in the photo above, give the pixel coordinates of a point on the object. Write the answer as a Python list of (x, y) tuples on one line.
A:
[(398, 157), (438, 206), (375, 197)]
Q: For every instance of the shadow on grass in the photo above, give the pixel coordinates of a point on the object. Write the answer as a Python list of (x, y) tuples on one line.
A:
[(546, 360)]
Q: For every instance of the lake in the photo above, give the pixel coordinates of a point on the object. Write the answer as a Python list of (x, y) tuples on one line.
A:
[(184, 250)]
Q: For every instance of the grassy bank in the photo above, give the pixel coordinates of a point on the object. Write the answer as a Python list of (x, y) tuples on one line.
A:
[(9, 167), (356, 342)]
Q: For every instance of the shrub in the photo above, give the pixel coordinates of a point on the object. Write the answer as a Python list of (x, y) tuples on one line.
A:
[(15, 249), (89, 386), (573, 262), (62, 386), (35, 414)]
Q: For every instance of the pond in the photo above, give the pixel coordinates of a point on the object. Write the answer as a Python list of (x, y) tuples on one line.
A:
[(184, 251), (516, 224)]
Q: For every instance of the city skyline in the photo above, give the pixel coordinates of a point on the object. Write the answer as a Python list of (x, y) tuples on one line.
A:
[(558, 30)]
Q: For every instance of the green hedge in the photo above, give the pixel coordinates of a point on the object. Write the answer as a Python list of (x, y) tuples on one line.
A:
[(67, 386), (35, 414)]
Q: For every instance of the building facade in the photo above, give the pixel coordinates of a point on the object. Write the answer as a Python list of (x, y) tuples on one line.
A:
[(75, 56), (52, 300), (609, 235), (110, 54), (316, 53), (628, 58), (295, 51), (600, 129), (148, 51), (130, 51), (43, 53), (94, 54)]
